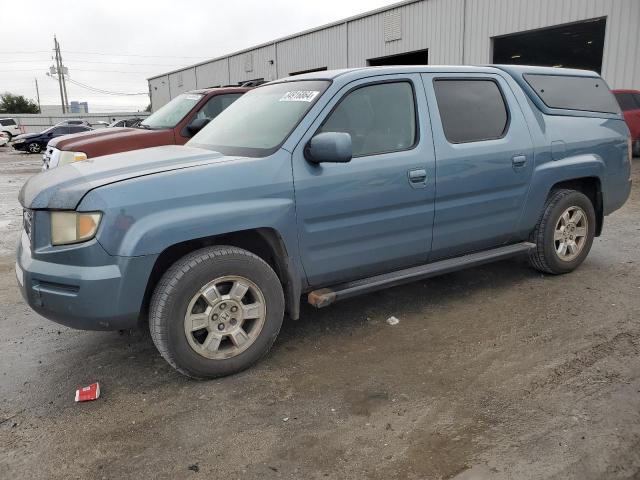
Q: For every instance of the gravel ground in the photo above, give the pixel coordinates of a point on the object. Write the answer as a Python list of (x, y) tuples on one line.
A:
[(496, 372)]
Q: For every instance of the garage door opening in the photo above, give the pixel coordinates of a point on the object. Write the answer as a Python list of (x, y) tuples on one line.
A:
[(575, 45), (418, 57)]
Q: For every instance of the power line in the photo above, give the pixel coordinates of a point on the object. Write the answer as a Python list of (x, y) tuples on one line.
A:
[(78, 70), (94, 61), (99, 90), (102, 54)]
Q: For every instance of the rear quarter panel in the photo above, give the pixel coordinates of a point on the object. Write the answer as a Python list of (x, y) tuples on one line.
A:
[(570, 147)]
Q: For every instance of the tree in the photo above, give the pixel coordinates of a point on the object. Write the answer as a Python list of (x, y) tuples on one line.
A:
[(10, 103)]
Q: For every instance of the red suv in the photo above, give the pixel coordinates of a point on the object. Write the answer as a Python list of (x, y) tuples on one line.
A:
[(629, 101), (173, 124)]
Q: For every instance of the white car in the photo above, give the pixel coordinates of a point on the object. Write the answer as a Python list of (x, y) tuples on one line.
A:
[(4, 139), (10, 127)]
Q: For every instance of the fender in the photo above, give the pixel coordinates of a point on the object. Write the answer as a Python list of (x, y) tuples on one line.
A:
[(147, 215), (547, 174)]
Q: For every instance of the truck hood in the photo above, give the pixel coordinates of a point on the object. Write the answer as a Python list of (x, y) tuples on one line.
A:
[(110, 140), (63, 187)]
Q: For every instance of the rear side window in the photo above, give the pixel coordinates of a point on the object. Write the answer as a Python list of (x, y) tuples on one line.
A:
[(7, 122), (380, 118), (590, 94), (471, 110), (627, 101)]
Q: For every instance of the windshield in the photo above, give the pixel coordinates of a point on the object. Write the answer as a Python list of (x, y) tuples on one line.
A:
[(170, 114), (259, 122)]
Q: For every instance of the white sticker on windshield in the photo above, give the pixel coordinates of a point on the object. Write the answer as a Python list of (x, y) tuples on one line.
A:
[(299, 96), (193, 97)]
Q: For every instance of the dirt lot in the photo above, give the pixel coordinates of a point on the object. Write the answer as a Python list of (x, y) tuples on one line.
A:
[(497, 372)]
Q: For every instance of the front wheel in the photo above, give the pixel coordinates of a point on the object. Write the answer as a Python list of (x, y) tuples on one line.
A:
[(34, 147), (565, 232), (216, 312)]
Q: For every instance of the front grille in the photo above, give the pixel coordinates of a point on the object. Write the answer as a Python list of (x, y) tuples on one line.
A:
[(27, 221)]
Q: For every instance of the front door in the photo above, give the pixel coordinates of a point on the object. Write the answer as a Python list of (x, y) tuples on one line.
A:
[(484, 157), (375, 213)]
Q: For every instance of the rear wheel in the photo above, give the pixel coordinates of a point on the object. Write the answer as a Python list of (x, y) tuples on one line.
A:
[(216, 312), (34, 147), (636, 148), (565, 232), (8, 134)]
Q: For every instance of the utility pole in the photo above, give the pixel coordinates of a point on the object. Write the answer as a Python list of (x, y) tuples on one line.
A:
[(60, 71), (38, 96), (64, 81)]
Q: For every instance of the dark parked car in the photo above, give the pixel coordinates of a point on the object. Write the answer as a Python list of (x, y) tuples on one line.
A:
[(36, 142), (73, 122)]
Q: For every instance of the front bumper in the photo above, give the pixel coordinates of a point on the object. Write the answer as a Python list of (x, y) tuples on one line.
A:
[(105, 296), (22, 146)]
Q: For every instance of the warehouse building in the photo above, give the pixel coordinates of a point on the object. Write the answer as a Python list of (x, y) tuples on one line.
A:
[(600, 35)]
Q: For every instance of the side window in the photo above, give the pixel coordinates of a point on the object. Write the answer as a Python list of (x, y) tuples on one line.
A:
[(216, 105), (636, 96), (380, 118), (7, 123), (60, 131), (471, 110), (75, 129), (626, 101)]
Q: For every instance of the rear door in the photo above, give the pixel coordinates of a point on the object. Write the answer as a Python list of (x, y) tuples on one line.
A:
[(373, 214), (484, 161)]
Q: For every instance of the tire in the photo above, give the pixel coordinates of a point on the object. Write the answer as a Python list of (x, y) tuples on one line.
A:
[(547, 256), (185, 300), (635, 151), (34, 147), (9, 135)]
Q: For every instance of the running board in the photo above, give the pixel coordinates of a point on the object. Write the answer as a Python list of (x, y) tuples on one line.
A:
[(326, 296)]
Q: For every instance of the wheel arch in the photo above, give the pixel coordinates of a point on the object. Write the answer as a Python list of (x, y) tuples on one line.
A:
[(584, 173), (592, 188), (266, 243)]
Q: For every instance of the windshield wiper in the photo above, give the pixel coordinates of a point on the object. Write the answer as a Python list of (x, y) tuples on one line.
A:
[(146, 127)]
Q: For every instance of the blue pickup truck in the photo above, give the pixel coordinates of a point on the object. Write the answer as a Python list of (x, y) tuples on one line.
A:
[(327, 185)]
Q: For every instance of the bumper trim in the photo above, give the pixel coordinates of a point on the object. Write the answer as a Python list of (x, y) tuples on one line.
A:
[(100, 297)]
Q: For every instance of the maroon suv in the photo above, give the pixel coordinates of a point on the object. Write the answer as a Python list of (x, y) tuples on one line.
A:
[(173, 124)]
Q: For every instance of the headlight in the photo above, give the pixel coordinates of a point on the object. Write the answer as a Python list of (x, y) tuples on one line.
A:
[(73, 227), (70, 157)]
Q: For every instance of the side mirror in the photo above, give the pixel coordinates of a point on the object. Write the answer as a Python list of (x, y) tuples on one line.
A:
[(332, 147), (196, 125)]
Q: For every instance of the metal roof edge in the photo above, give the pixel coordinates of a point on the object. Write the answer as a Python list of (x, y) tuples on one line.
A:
[(293, 35)]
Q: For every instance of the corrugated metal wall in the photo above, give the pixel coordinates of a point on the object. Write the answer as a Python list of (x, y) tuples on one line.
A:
[(213, 74), (453, 31), (253, 64), (323, 48), (433, 24), (485, 19)]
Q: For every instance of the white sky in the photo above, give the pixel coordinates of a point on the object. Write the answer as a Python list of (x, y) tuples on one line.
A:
[(165, 34)]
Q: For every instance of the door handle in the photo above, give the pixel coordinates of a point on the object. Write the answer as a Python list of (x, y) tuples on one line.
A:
[(418, 177), (519, 161)]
